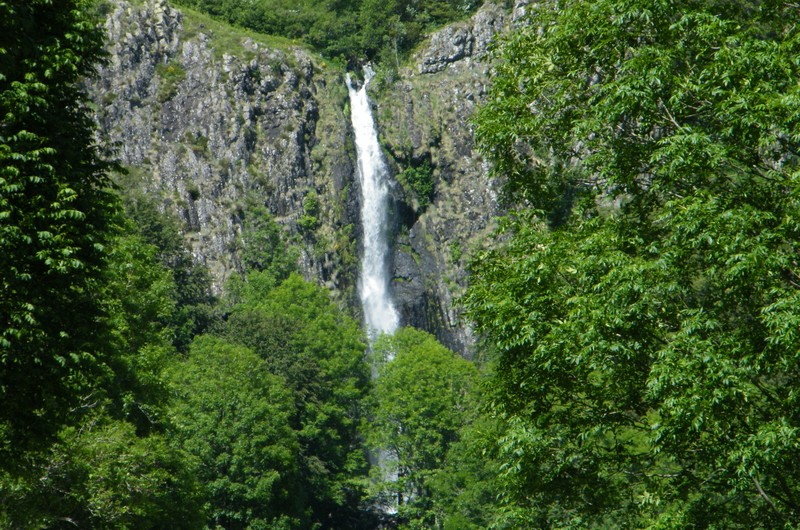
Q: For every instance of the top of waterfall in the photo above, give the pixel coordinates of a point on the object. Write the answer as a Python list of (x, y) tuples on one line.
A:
[(368, 73)]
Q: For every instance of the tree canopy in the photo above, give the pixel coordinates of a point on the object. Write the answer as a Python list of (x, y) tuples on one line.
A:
[(424, 396), (642, 303), (638, 308), (304, 338), (232, 415)]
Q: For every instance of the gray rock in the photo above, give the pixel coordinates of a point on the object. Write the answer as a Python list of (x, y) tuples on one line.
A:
[(447, 46), (487, 22), (206, 130), (462, 41), (209, 129), (426, 118)]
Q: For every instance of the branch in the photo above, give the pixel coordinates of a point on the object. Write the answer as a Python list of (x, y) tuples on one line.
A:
[(669, 115), (85, 403), (765, 496), (712, 475), (766, 393), (790, 498)]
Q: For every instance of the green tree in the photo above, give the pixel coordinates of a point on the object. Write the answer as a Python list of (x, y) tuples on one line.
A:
[(304, 338), (264, 245), (85, 314), (350, 30), (54, 216), (110, 465), (419, 181), (464, 491), (194, 303), (423, 397), (644, 311), (101, 474), (233, 416)]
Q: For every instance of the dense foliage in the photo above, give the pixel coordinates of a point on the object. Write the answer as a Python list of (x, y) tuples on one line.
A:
[(318, 351), (55, 212), (110, 464), (346, 29), (232, 415), (194, 305), (105, 424), (81, 345), (643, 302), (424, 395)]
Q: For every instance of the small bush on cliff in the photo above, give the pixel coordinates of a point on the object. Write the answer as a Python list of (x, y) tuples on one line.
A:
[(419, 181)]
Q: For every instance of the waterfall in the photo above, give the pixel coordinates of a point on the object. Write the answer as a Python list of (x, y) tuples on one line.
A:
[(380, 315), (379, 312)]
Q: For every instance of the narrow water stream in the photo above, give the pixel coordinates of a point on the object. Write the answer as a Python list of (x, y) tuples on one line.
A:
[(380, 314)]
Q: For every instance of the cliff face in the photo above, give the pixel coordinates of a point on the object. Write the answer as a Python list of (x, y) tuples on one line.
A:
[(212, 121), (424, 124)]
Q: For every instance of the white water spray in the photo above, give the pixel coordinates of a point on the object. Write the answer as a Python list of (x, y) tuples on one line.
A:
[(379, 312)]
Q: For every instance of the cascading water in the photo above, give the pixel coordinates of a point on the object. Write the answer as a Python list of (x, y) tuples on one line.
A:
[(380, 315), (379, 312)]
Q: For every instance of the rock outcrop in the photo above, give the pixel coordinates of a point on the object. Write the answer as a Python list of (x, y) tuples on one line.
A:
[(465, 40), (211, 122), (424, 122)]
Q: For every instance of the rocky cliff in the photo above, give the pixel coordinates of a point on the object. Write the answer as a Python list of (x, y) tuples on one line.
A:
[(212, 121), (424, 124)]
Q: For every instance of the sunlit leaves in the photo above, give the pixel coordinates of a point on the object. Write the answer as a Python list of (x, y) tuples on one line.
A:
[(646, 322), (233, 416), (319, 351), (350, 30), (423, 397)]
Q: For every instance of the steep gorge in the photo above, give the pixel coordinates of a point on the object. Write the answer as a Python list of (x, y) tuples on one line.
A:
[(212, 121)]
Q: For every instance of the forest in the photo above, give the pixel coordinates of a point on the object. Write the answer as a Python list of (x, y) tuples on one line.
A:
[(638, 308), (347, 30)]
